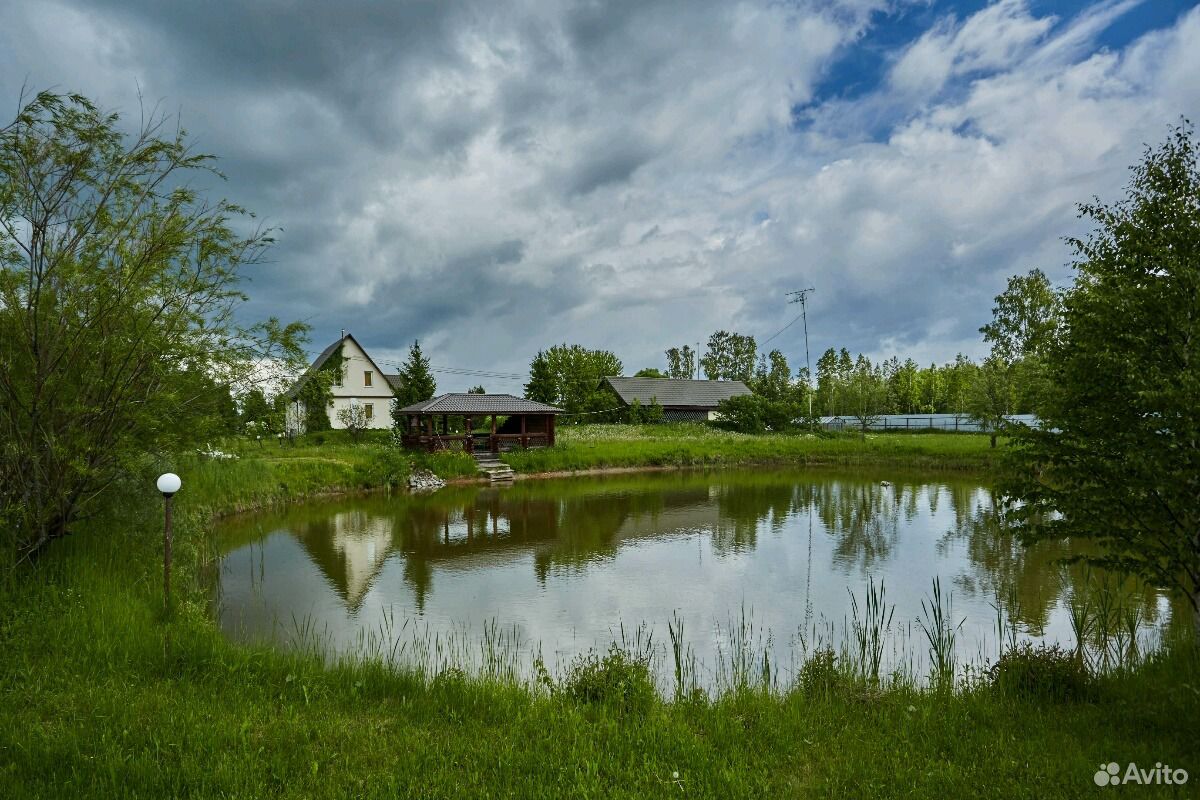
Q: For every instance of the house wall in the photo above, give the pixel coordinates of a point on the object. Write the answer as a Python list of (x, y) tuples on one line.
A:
[(354, 389)]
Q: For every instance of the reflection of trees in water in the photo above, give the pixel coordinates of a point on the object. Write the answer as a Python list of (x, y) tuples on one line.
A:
[(862, 516), (1028, 581), (745, 508)]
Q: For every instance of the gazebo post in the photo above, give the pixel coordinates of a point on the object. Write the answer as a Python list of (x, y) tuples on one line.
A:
[(495, 446), (524, 438), (550, 430)]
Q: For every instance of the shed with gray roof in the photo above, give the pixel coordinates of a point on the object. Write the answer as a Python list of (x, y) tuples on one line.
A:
[(681, 400)]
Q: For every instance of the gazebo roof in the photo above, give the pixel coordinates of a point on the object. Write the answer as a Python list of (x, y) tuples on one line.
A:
[(470, 404)]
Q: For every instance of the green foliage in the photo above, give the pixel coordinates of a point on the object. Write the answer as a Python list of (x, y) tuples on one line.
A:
[(1025, 327), (1027, 318), (619, 680), (819, 675), (384, 466), (865, 394), (634, 412), (542, 385), (448, 464), (354, 420), (476, 390), (991, 397), (315, 391), (569, 376), (745, 414), (1116, 459), (653, 413), (695, 444), (166, 705), (730, 357), (118, 291), (681, 363), (1041, 672), (417, 381), (649, 372), (256, 412)]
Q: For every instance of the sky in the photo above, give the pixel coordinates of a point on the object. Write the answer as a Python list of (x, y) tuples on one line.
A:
[(495, 177)]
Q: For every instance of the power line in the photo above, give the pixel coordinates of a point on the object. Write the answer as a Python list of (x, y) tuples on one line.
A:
[(801, 297), (784, 328)]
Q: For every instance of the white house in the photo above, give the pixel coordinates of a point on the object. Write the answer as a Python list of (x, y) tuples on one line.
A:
[(362, 383)]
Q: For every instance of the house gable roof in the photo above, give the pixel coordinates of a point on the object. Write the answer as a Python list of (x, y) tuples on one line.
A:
[(394, 381), (675, 393), (466, 403)]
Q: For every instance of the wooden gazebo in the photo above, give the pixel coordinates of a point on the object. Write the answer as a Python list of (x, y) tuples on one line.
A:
[(514, 422)]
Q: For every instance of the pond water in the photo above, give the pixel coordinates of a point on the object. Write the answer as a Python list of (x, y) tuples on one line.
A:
[(749, 562)]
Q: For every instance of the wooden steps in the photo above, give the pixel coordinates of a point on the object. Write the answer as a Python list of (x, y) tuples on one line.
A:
[(496, 470)]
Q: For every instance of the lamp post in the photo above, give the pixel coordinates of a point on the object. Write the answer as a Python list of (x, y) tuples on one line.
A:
[(168, 484)]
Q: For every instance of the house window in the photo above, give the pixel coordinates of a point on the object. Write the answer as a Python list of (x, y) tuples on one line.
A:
[(369, 410), (367, 378), (337, 379)]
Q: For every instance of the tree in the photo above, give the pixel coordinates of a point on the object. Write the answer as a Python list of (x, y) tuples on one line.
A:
[(990, 400), (960, 377), (865, 393), (417, 382), (681, 363), (256, 412), (118, 293), (569, 376), (654, 412), (649, 372), (541, 386), (1026, 322), (1116, 458), (476, 390), (354, 419), (1026, 319), (730, 357), (827, 383)]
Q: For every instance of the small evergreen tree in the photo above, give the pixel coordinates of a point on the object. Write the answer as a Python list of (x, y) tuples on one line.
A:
[(417, 378)]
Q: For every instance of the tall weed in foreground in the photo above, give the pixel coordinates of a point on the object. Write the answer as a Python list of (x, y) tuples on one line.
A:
[(869, 629), (941, 633)]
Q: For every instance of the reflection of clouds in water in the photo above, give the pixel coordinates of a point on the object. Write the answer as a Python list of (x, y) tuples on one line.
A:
[(565, 562)]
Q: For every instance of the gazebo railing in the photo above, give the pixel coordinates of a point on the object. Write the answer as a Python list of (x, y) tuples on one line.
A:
[(475, 443)]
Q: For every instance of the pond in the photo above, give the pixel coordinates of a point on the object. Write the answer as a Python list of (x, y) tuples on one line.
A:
[(731, 569)]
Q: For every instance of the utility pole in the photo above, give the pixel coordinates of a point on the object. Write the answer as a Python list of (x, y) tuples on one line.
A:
[(801, 297)]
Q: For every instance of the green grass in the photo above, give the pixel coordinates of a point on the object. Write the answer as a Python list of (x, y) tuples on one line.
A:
[(681, 445), (102, 696)]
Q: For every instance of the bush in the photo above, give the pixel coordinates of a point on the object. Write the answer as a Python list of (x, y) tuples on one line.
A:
[(1041, 672), (819, 675), (743, 414), (385, 466), (618, 680)]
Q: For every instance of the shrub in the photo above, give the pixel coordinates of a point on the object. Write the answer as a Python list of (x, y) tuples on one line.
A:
[(743, 414), (618, 680), (1041, 672), (819, 674), (384, 466)]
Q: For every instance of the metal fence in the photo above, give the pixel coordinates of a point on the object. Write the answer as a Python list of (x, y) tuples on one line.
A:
[(915, 422)]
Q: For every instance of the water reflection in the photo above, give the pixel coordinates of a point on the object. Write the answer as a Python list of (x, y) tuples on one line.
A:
[(564, 562)]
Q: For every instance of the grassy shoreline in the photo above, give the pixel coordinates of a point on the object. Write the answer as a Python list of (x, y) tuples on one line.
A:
[(100, 696), (590, 447)]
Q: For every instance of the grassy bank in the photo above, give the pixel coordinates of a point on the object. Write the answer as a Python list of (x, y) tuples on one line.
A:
[(608, 446), (102, 696)]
